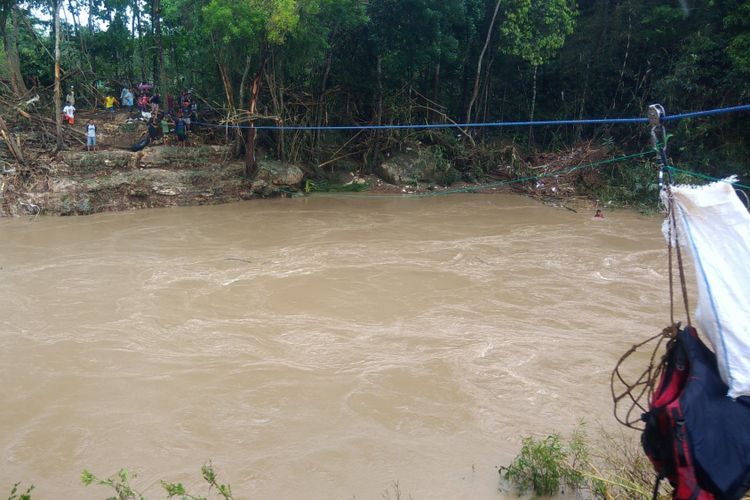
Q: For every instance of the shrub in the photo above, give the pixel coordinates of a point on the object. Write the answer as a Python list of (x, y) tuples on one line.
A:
[(543, 466)]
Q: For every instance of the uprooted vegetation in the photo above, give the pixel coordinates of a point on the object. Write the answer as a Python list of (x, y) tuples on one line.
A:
[(37, 176)]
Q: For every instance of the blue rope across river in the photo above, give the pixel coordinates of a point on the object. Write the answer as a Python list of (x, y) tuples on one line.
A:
[(415, 126)]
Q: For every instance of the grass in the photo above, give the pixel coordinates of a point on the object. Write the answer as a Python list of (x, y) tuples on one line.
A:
[(612, 468)]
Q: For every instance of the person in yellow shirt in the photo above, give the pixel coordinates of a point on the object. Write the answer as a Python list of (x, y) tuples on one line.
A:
[(109, 103)]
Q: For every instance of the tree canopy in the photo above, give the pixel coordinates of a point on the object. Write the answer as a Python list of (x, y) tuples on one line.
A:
[(396, 61)]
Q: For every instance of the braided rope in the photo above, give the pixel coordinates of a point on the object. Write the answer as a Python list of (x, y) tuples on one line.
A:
[(632, 398)]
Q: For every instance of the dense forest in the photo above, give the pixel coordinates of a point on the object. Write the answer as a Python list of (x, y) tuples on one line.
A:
[(340, 62)]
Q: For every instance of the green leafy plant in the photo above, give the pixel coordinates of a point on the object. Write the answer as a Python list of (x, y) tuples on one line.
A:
[(611, 468), (120, 482), (544, 465), (16, 495)]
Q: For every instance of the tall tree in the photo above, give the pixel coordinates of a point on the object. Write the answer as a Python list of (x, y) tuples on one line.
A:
[(9, 12), (535, 30), (480, 59), (256, 25), (58, 96), (159, 72)]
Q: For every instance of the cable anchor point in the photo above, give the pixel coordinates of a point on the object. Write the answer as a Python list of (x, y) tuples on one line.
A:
[(656, 116)]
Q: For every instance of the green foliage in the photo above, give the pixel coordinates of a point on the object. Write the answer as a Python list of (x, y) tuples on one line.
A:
[(611, 468), (737, 23), (395, 61), (536, 29), (120, 482), (251, 21), (544, 465), (15, 494), (632, 183)]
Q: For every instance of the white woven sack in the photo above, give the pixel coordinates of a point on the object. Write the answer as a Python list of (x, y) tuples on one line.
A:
[(715, 226)]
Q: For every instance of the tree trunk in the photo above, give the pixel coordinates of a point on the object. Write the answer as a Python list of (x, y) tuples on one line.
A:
[(141, 50), (10, 42), (436, 88), (58, 103), (320, 111), (277, 97), (485, 95), (379, 113), (281, 152), (85, 58), (159, 74), (227, 83), (624, 65), (134, 41), (243, 81), (487, 39), (379, 69), (91, 17), (533, 105), (251, 162)]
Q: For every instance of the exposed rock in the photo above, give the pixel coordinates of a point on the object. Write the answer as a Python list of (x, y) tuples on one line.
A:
[(88, 162), (134, 187), (279, 174), (174, 157), (417, 164)]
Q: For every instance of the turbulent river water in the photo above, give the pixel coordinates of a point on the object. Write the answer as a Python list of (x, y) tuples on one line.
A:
[(314, 348)]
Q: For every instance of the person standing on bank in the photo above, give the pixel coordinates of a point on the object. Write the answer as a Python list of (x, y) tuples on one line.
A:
[(91, 136), (127, 100), (109, 104), (153, 128), (155, 101), (70, 99), (69, 113)]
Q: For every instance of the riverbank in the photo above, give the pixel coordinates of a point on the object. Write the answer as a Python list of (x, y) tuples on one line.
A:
[(75, 181)]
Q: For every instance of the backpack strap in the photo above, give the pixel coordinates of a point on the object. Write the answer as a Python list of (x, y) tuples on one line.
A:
[(687, 487), (655, 496)]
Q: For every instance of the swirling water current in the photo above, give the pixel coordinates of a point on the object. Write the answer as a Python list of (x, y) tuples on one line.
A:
[(314, 348)]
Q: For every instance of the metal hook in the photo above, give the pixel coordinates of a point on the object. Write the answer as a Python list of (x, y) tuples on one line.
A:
[(656, 115)]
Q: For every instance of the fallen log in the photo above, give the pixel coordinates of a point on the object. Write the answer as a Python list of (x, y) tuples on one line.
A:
[(13, 147)]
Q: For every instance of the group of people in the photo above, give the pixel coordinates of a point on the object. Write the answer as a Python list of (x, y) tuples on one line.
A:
[(176, 117), (160, 126), (148, 100)]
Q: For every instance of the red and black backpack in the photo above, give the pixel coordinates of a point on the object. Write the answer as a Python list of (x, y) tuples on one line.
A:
[(696, 436)]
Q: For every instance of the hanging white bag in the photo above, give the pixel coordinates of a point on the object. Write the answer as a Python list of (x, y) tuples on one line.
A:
[(715, 226)]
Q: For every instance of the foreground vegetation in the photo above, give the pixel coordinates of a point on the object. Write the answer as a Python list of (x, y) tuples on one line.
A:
[(610, 467)]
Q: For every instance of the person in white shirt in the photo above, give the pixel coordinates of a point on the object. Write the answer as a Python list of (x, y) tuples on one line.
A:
[(91, 136), (68, 113)]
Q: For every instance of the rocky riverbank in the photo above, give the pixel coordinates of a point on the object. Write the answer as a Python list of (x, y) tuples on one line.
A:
[(114, 178), (80, 182)]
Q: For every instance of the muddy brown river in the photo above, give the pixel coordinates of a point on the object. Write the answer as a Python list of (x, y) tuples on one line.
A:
[(314, 348)]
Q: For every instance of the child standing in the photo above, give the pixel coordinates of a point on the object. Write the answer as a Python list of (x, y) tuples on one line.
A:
[(91, 136), (165, 128), (143, 102), (180, 129)]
